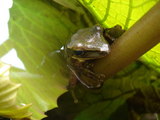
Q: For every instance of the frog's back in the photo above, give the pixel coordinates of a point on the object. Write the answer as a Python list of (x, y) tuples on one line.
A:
[(89, 39)]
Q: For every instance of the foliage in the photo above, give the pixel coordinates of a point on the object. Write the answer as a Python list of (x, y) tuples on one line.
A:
[(39, 28)]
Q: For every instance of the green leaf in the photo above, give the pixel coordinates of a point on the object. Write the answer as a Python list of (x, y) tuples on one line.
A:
[(101, 110), (8, 94), (116, 91), (136, 78), (37, 31), (72, 4), (41, 91), (125, 13), (152, 58), (113, 12)]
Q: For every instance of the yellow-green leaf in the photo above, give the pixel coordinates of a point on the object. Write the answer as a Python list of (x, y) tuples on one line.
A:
[(125, 13), (152, 58), (122, 12)]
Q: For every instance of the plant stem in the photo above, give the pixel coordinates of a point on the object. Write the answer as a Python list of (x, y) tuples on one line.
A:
[(141, 37)]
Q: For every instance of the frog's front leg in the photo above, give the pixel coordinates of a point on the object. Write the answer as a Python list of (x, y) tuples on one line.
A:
[(88, 69), (90, 78), (91, 74)]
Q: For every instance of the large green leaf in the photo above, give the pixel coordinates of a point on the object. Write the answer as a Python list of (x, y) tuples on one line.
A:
[(124, 13), (37, 31), (112, 12)]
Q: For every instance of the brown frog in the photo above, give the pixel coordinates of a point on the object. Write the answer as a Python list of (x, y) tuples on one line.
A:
[(87, 45)]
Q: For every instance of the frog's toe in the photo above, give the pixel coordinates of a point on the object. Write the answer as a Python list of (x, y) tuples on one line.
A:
[(99, 85), (101, 76)]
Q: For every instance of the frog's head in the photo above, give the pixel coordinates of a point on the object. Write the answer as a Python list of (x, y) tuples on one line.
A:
[(88, 43)]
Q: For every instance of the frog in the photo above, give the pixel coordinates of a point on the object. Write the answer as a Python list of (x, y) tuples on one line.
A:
[(86, 46)]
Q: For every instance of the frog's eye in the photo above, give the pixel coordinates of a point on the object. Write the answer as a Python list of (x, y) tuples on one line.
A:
[(78, 52)]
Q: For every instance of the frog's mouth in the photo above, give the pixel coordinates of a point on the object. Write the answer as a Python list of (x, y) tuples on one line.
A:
[(87, 55)]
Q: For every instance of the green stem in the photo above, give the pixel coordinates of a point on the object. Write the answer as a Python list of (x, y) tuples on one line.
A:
[(141, 37)]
